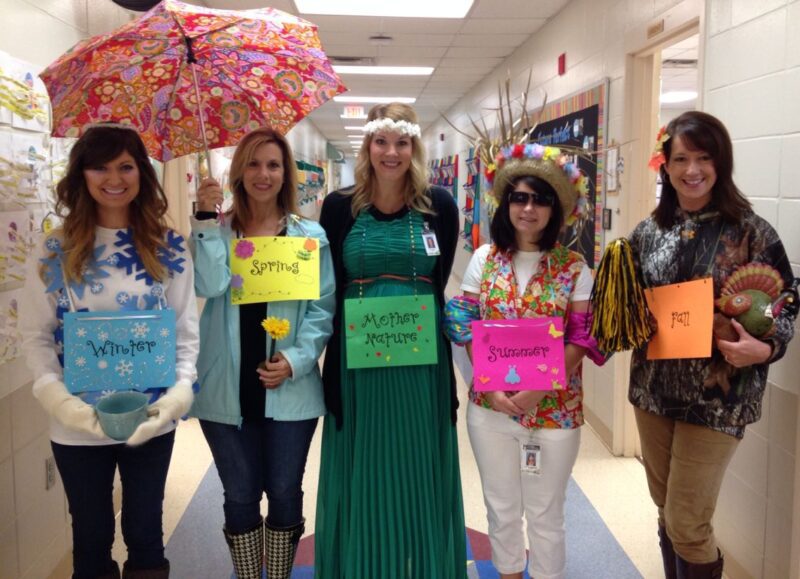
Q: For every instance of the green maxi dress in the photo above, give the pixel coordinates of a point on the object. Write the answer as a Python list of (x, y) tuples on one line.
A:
[(389, 502)]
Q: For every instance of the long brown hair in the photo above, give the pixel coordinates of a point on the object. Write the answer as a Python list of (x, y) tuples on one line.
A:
[(417, 177), (245, 151), (702, 132), (75, 205)]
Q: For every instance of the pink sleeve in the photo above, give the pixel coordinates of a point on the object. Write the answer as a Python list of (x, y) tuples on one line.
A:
[(577, 332)]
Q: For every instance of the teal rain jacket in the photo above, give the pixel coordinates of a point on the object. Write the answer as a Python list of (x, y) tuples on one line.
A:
[(299, 397)]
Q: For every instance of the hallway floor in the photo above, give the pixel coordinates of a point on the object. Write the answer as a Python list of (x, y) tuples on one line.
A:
[(610, 519)]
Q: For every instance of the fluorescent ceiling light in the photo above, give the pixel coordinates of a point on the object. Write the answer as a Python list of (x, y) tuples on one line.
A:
[(374, 99), (406, 9), (395, 70), (353, 128), (678, 96)]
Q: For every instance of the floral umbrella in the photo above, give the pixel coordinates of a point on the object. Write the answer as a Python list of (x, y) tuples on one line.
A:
[(192, 78)]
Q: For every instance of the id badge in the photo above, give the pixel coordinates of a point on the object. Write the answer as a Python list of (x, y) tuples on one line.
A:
[(531, 458), (430, 242)]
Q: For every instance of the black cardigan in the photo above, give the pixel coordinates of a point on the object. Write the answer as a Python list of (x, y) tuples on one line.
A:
[(337, 220)]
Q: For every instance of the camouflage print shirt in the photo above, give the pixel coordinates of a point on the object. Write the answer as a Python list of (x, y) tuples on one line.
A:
[(699, 244)]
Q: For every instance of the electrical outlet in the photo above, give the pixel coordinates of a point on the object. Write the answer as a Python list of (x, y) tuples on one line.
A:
[(49, 473)]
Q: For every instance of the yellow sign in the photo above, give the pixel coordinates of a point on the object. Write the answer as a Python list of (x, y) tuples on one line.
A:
[(274, 269), (685, 316)]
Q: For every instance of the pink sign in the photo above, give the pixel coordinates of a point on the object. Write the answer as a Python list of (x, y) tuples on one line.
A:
[(526, 354)]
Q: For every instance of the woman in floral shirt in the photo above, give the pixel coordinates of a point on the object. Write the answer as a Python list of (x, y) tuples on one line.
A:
[(527, 273)]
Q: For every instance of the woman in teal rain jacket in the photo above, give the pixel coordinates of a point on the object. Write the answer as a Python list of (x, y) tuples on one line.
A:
[(259, 411)]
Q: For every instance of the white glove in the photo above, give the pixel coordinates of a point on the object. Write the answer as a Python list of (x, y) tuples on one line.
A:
[(171, 406), (69, 410)]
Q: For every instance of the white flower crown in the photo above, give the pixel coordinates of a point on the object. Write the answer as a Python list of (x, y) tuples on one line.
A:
[(387, 124)]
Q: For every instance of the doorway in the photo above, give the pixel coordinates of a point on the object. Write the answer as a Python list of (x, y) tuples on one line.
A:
[(665, 64)]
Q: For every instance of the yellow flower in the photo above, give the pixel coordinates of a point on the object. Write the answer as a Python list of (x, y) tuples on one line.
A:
[(277, 328)]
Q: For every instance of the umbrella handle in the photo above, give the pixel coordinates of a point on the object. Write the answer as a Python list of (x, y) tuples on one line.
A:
[(201, 116)]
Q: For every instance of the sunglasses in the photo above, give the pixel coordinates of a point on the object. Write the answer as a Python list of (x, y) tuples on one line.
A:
[(522, 198)]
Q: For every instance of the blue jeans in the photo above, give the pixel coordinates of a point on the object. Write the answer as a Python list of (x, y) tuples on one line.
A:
[(263, 456), (88, 476)]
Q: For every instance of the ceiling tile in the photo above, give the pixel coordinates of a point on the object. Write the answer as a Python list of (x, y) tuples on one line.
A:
[(516, 8), (502, 25), (479, 51)]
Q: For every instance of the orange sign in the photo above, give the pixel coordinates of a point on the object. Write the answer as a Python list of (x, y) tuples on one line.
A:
[(685, 315)]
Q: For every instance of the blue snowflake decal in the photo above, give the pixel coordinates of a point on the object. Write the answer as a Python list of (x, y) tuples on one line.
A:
[(130, 260), (54, 270)]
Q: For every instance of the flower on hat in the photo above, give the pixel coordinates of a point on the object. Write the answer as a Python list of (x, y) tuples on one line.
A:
[(658, 158), (546, 163)]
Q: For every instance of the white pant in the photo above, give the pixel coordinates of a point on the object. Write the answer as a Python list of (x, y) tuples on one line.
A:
[(510, 493)]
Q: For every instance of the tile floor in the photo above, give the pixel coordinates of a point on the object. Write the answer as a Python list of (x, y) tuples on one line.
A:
[(615, 487)]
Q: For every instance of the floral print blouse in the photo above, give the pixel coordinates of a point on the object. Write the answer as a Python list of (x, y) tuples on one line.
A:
[(548, 293)]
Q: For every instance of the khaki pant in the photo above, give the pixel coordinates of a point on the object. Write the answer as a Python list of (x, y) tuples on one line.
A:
[(685, 464)]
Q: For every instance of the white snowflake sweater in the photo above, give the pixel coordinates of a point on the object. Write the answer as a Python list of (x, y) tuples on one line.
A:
[(115, 280)]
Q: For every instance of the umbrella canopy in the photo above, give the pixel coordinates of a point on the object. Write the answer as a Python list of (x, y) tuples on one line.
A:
[(181, 67)]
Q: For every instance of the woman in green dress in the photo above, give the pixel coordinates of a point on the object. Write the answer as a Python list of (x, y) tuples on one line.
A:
[(389, 502)]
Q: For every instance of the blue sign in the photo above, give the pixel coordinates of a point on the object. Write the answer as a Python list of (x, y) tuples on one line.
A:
[(119, 350)]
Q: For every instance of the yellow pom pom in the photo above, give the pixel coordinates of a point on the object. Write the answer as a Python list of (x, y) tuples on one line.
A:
[(621, 318)]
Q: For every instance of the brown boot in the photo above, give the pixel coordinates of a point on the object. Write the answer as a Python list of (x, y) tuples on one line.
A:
[(157, 573), (688, 570), (281, 546), (667, 554), (247, 552)]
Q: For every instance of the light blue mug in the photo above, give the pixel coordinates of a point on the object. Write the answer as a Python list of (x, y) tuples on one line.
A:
[(121, 412)]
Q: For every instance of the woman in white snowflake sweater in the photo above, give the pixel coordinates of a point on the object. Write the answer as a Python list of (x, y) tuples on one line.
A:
[(113, 252)]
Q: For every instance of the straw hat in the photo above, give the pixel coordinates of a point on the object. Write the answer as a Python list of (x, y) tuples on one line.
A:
[(506, 155), (548, 164)]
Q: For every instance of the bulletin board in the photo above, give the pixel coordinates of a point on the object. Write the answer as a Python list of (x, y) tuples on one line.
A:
[(580, 121)]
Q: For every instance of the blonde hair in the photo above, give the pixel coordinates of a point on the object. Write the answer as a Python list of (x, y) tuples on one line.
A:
[(101, 144), (245, 151), (417, 184)]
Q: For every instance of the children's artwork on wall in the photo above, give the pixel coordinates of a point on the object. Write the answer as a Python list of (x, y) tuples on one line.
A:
[(310, 186), (26, 182), (472, 203), (16, 242), (444, 173), (23, 96), (10, 338)]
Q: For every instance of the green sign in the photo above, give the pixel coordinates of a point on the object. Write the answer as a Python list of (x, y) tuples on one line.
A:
[(390, 331)]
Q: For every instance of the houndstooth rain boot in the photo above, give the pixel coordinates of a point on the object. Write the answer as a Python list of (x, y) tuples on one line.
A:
[(247, 551), (281, 546)]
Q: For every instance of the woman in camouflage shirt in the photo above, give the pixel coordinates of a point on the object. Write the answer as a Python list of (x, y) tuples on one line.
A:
[(690, 422)]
